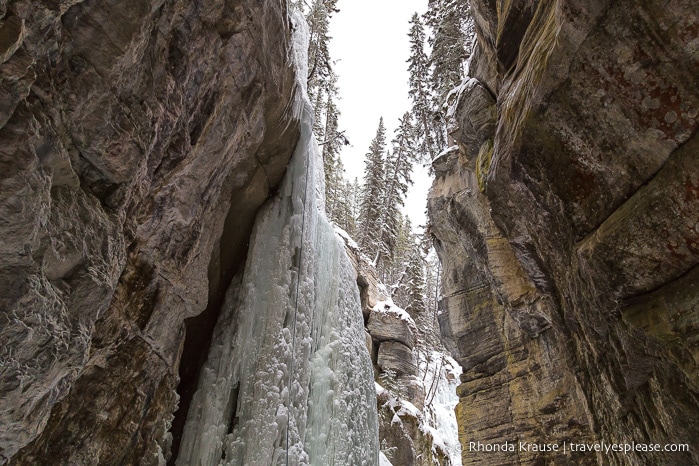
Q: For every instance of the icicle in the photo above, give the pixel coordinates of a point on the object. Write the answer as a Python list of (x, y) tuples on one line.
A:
[(288, 378)]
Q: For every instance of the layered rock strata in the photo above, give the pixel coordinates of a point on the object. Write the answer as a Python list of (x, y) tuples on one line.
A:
[(567, 222), (137, 141)]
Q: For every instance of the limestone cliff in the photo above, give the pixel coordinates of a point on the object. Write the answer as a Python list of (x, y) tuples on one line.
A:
[(567, 221), (137, 140)]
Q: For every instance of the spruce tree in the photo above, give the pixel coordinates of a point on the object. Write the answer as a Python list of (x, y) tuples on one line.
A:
[(415, 276), (427, 128), (451, 40), (450, 21), (373, 194), (433, 286), (319, 63), (397, 275), (332, 164), (321, 79), (343, 212), (399, 166)]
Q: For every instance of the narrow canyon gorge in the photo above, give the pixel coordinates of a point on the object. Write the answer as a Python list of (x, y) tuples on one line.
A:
[(171, 291)]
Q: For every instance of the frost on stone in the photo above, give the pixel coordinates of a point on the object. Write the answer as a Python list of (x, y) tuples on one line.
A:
[(288, 378), (454, 99), (383, 461), (389, 307), (439, 376), (440, 418)]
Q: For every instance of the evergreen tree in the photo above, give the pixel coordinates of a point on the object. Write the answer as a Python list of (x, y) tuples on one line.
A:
[(354, 199), (397, 275), (427, 129), (433, 286), (451, 23), (319, 63), (322, 81), (332, 164), (415, 275), (451, 39), (399, 166), (373, 194), (344, 211)]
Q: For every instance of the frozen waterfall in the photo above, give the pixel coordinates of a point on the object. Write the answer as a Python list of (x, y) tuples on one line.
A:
[(288, 378)]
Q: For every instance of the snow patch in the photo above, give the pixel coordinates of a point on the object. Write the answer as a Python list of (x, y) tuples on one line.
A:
[(453, 99), (442, 400), (388, 307), (383, 461), (346, 238)]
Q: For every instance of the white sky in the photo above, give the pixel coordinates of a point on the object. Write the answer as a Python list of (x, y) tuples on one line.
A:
[(371, 47)]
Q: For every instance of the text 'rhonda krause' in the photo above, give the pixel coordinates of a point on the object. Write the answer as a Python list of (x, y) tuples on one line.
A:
[(564, 447)]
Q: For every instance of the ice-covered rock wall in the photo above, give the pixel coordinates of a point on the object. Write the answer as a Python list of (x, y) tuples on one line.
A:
[(288, 378)]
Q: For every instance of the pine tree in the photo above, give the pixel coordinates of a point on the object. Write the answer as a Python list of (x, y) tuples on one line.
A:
[(399, 166), (451, 40), (450, 21), (322, 80), (319, 63), (427, 129), (344, 211), (416, 283), (373, 194), (433, 286), (397, 274), (332, 164)]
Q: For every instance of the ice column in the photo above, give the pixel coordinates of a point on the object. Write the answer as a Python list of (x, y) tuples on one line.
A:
[(288, 378)]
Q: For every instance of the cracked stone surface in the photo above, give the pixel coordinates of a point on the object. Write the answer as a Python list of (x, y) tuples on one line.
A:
[(137, 141)]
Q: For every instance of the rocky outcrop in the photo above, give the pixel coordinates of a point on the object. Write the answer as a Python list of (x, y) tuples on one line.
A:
[(137, 141), (404, 438), (385, 325), (396, 357), (392, 341), (566, 221)]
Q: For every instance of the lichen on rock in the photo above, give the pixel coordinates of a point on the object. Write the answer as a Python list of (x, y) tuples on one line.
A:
[(565, 243)]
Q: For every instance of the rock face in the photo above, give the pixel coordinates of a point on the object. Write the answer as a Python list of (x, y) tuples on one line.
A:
[(395, 356), (404, 437), (388, 326), (137, 141), (392, 341), (567, 222)]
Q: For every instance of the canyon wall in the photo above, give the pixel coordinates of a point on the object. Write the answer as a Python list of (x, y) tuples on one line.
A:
[(567, 222), (137, 141)]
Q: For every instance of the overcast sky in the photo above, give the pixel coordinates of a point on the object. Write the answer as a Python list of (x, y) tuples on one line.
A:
[(371, 47)]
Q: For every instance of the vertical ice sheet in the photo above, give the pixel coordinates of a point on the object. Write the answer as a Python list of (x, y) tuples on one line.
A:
[(288, 377), (341, 429)]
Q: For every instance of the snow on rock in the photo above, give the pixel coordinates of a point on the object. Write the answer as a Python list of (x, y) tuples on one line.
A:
[(388, 307), (288, 378), (388, 322), (383, 461), (427, 435), (416, 395), (442, 400), (349, 242), (454, 97)]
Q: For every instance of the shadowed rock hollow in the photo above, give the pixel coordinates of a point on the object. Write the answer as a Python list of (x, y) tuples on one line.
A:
[(568, 225)]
